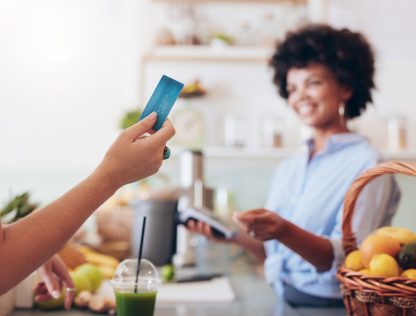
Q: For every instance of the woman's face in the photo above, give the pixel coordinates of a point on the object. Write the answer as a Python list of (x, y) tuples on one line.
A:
[(315, 95)]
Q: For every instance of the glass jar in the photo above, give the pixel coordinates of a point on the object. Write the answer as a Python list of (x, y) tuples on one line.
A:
[(272, 132)]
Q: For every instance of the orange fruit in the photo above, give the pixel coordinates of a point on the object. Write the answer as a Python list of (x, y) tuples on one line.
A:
[(402, 235), (353, 261), (378, 244), (384, 265), (409, 273)]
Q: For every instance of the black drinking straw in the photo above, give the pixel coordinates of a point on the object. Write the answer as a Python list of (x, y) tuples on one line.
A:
[(139, 257)]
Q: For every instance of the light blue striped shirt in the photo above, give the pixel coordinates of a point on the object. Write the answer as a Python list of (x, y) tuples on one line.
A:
[(310, 194)]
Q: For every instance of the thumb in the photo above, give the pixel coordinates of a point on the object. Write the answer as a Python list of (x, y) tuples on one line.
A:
[(143, 126), (164, 134)]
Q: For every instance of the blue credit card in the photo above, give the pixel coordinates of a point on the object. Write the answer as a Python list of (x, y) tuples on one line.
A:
[(162, 100)]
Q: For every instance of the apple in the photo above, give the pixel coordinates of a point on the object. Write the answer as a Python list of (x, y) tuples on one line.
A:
[(53, 303), (81, 281), (91, 272)]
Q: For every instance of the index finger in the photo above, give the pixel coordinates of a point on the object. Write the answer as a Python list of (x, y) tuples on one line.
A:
[(62, 272), (249, 216)]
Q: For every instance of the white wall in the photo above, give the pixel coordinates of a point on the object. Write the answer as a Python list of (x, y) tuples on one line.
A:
[(390, 27), (68, 70)]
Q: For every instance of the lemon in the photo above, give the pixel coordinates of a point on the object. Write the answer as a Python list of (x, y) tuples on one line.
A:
[(384, 265), (409, 273), (353, 261)]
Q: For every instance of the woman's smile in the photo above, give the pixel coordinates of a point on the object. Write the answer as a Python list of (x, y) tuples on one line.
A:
[(306, 110)]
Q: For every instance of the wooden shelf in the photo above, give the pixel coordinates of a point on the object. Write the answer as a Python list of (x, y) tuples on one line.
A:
[(408, 155), (242, 153), (208, 53)]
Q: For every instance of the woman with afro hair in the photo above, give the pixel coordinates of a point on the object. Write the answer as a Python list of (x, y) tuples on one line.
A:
[(326, 76)]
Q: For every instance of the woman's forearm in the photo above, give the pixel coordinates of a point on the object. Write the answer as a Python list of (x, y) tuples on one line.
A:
[(251, 244), (315, 249), (28, 243)]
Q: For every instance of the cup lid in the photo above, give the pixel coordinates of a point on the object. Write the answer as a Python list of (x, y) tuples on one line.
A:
[(124, 278)]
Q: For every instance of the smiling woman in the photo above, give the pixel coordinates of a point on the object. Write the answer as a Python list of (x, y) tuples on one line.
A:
[(326, 76)]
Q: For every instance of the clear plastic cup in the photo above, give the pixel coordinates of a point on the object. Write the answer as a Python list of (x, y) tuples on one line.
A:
[(136, 298)]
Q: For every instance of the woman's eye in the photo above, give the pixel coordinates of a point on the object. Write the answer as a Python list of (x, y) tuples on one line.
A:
[(315, 83)]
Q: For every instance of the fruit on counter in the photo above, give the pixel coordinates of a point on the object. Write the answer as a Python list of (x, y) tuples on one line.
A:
[(167, 272), (102, 304), (95, 302), (72, 256), (409, 273), (400, 234), (106, 264), (384, 265), (81, 281), (83, 299), (53, 303), (354, 261), (378, 244), (98, 258), (92, 273), (407, 256), (106, 271)]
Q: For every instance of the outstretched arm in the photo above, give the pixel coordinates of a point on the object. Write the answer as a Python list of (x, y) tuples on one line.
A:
[(28, 243)]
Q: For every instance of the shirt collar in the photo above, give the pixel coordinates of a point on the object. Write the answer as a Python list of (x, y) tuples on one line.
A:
[(338, 141)]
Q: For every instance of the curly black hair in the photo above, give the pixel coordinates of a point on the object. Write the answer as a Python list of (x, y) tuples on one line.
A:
[(347, 54)]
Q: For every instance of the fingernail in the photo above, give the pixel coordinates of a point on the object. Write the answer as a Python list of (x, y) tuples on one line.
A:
[(151, 115), (56, 294)]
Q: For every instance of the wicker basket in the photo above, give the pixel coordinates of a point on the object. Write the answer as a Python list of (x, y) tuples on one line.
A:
[(368, 295)]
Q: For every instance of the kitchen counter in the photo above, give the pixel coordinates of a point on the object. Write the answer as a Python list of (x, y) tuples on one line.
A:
[(254, 298)]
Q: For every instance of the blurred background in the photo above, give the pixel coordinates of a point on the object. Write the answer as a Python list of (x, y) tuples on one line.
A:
[(70, 71)]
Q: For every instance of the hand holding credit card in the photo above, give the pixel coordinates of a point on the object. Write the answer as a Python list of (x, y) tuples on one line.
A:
[(162, 100)]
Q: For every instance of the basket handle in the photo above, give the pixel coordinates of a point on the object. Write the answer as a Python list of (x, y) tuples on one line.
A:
[(349, 242)]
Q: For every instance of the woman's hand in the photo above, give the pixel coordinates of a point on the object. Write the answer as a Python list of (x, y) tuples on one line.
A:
[(55, 275), (262, 224), (135, 154), (241, 238), (205, 230)]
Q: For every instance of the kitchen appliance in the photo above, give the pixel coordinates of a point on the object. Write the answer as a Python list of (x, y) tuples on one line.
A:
[(160, 236), (195, 194), (165, 240)]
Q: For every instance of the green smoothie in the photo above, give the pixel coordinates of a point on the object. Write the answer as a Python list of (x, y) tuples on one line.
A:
[(135, 304)]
